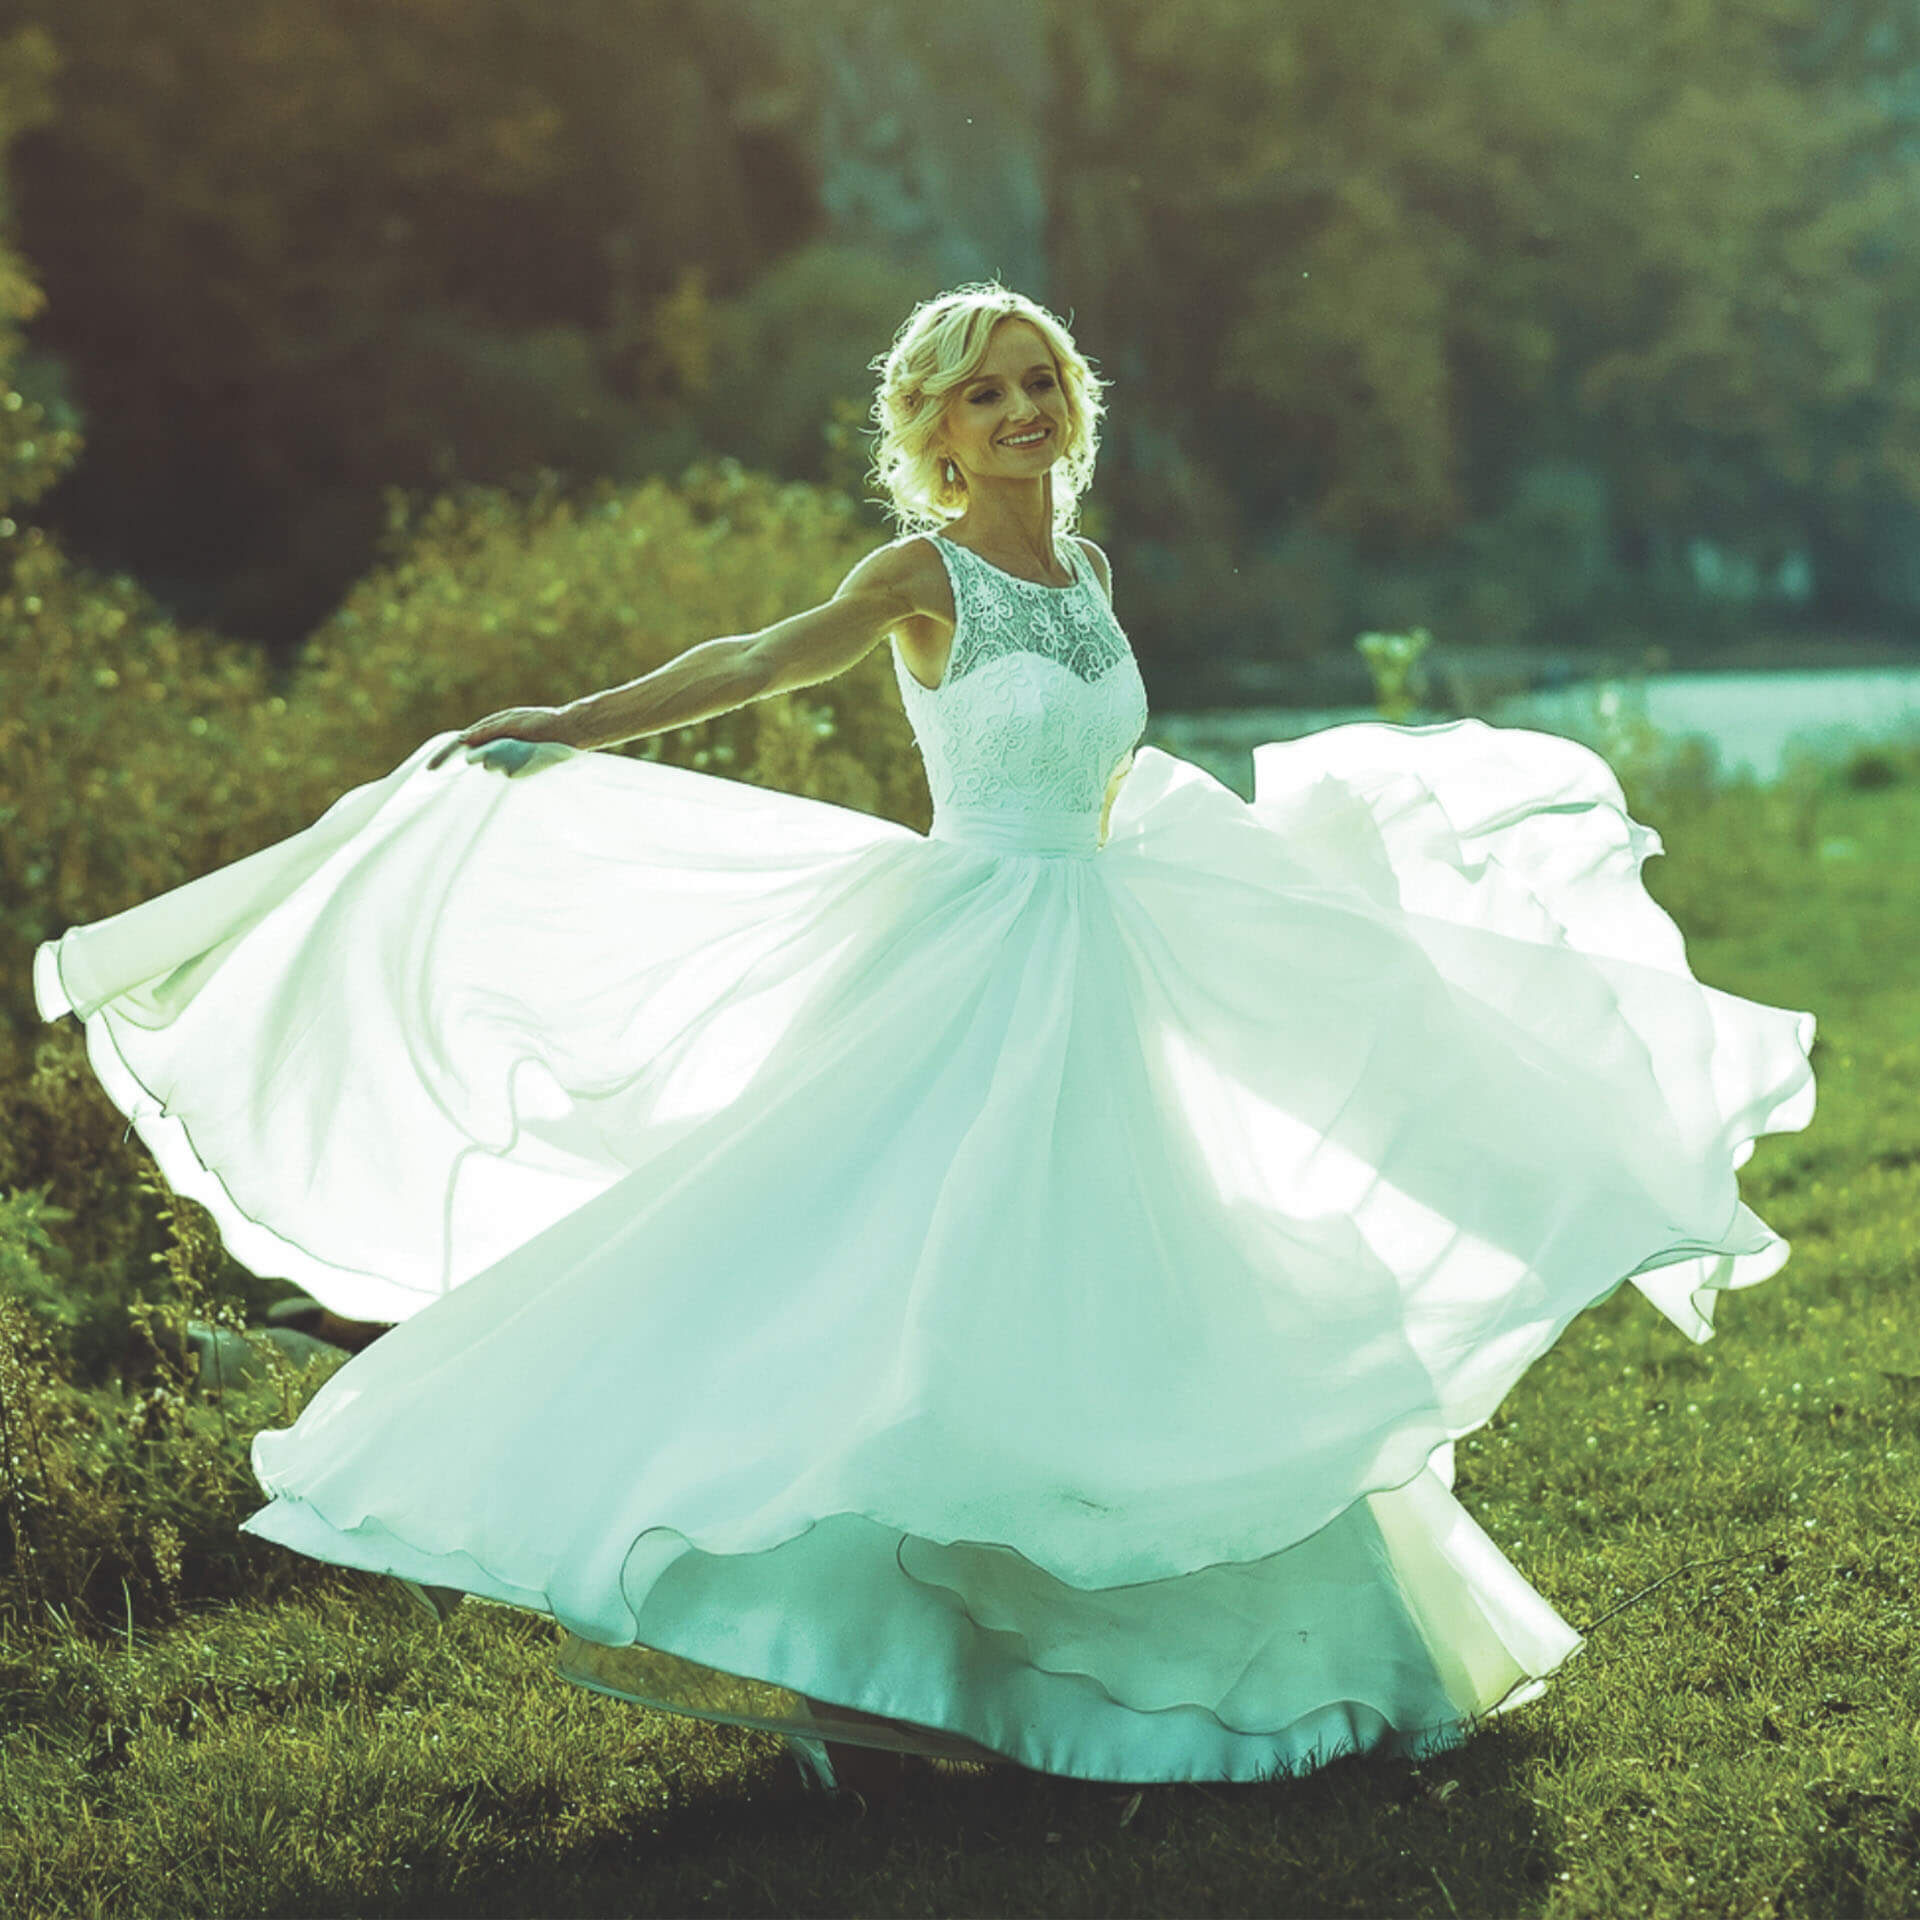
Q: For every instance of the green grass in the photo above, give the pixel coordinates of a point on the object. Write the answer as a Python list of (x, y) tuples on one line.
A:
[(1735, 1523)]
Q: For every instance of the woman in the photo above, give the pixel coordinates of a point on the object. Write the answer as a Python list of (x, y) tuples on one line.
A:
[(1009, 1293)]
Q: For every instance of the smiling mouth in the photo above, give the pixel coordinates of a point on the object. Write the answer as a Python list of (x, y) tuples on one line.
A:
[(1029, 439)]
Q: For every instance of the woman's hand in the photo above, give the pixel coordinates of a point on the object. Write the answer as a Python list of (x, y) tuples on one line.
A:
[(536, 726)]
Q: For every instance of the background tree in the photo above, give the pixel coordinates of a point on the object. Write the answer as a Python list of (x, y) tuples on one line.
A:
[(37, 445), (1463, 313), (1394, 261), (370, 242)]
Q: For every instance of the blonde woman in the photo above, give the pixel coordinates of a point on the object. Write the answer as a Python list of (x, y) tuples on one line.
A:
[(1003, 1295)]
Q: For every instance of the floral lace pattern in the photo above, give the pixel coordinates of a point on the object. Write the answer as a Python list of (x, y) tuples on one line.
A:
[(1042, 702)]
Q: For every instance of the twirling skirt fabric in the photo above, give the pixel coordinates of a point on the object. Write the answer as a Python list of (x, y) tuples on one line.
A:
[(1025, 1296)]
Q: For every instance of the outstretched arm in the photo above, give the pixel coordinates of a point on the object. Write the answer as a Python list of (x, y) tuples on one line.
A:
[(720, 675), (707, 680)]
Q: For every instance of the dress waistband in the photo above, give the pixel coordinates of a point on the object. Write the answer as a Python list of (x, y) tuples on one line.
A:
[(1018, 829)]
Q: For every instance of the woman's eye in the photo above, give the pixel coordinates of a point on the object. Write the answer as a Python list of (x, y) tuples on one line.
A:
[(993, 393)]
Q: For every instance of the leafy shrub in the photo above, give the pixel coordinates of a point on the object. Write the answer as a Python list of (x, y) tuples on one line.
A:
[(37, 444), (133, 755), (486, 601), (1393, 663), (142, 754), (33, 1267), (137, 753), (123, 1499), (65, 1147)]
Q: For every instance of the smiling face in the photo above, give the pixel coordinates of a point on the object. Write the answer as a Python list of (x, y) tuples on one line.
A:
[(1013, 394)]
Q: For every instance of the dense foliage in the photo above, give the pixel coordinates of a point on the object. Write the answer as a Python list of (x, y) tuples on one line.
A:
[(1358, 272), (141, 756), (140, 753), (1381, 274), (35, 448)]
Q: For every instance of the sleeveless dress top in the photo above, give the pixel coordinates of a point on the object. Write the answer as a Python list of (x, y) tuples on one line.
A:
[(991, 1292), (1040, 705)]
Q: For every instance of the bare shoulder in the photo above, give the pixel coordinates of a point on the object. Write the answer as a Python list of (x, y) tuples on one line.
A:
[(907, 571), (1101, 565)]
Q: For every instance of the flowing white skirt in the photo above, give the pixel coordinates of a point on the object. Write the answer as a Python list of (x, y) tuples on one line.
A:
[(1024, 1295)]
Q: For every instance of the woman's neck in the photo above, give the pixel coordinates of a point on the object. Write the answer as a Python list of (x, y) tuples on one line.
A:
[(1014, 519), (1024, 534)]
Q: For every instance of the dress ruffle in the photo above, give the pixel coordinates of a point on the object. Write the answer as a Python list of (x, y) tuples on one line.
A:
[(1003, 1291), (1397, 1628)]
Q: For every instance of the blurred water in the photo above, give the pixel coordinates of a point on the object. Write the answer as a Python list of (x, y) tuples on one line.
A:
[(1749, 719)]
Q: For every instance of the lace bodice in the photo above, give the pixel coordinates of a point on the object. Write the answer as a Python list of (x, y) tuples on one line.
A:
[(1040, 706)]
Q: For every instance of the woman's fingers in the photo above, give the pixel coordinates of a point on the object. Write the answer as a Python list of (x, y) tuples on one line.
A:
[(503, 753), (530, 726), (504, 756), (477, 735)]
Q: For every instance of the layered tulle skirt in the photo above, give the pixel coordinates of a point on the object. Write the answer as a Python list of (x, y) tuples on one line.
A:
[(1009, 1285)]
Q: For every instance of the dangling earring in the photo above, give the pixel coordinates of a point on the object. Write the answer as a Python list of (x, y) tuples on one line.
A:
[(950, 475)]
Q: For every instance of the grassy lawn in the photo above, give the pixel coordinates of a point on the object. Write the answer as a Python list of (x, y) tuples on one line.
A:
[(1733, 1525)]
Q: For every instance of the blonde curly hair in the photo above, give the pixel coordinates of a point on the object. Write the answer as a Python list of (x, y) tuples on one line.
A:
[(942, 345)]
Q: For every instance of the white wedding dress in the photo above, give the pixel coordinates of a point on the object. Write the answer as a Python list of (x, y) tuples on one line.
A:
[(1016, 1287)]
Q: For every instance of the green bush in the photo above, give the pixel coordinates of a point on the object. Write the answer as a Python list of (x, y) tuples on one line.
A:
[(134, 754), (35, 1269), (484, 600), (121, 1499), (37, 444), (143, 754), (65, 1149), (139, 755)]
